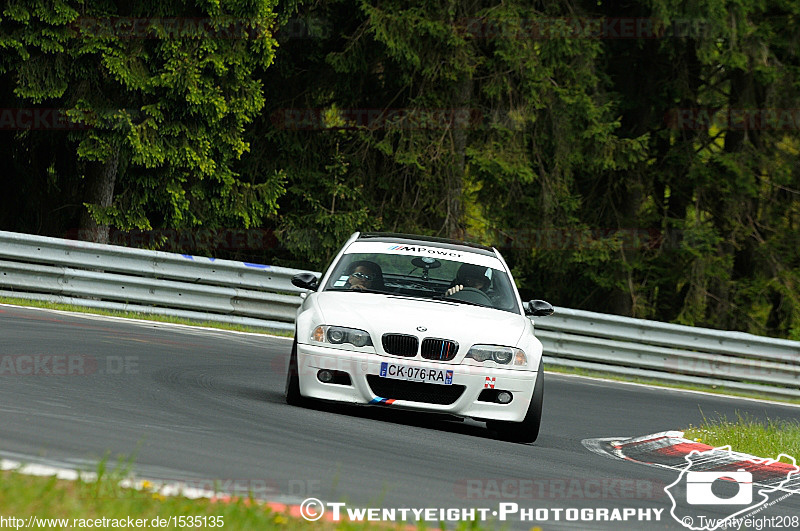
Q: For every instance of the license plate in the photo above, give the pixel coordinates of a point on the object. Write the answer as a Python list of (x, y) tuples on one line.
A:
[(416, 374)]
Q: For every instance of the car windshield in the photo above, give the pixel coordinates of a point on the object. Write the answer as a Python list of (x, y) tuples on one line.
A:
[(425, 277)]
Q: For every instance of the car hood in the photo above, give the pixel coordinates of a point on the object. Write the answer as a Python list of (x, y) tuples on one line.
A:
[(379, 314)]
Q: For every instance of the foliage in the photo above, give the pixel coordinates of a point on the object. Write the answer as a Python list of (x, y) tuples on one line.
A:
[(652, 176), (158, 92)]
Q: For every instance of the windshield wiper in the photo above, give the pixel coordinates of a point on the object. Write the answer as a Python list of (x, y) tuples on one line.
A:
[(450, 299), (364, 290)]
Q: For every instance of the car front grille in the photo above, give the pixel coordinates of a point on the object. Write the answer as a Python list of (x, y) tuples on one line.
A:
[(414, 391), (400, 344), (439, 349)]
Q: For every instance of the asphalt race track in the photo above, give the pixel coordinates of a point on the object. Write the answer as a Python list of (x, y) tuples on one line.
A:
[(204, 406)]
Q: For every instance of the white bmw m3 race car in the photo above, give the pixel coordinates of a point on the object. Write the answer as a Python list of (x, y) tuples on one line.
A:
[(420, 323)]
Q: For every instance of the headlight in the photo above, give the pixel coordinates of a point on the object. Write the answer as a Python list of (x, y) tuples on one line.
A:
[(501, 355), (337, 335)]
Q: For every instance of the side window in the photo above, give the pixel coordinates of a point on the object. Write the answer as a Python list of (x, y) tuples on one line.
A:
[(339, 276), (501, 292)]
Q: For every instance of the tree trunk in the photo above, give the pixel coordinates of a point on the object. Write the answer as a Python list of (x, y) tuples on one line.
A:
[(100, 192), (731, 209), (455, 177)]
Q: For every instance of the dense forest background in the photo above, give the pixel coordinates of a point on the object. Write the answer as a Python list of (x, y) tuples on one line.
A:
[(635, 157)]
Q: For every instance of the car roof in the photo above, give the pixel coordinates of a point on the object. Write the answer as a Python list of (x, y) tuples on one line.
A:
[(416, 239)]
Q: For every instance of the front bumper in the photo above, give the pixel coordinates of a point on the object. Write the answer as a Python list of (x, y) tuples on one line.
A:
[(358, 365)]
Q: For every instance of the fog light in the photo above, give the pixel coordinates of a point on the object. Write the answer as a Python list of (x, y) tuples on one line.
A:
[(504, 397), (325, 376)]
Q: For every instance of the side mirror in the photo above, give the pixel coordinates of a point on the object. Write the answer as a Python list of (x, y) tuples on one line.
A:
[(539, 308), (306, 281)]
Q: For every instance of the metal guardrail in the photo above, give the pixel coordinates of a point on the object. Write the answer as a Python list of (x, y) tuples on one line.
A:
[(663, 351), (121, 278)]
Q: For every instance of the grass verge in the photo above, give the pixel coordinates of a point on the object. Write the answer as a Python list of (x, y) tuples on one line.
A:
[(45, 498), (750, 436), (24, 496)]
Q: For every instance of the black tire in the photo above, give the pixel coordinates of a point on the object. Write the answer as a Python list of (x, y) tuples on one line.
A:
[(293, 396), (526, 431)]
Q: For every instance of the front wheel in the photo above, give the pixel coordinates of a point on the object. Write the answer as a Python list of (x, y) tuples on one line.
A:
[(526, 431), (293, 396)]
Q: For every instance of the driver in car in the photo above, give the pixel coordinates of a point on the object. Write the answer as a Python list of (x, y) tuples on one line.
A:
[(365, 275), (469, 276)]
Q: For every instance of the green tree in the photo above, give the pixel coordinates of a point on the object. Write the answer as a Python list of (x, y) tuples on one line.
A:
[(466, 107), (583, 164), (738, 178), (164, 90)]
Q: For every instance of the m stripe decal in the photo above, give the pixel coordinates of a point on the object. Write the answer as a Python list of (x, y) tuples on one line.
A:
[(379, 400)]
